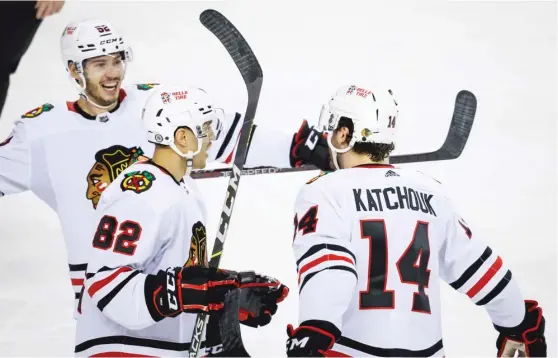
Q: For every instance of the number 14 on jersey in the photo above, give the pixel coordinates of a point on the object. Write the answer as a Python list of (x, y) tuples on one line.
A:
[(412, 267)]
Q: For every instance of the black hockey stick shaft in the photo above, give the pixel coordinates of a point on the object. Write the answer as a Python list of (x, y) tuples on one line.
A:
[(252, 74), (229, 326), (456, 139)]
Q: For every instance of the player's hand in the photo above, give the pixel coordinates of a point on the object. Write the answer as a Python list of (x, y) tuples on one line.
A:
[(46, 8), (191, 289), (527, 338), (312, 338), (259, 296), (309, 147)]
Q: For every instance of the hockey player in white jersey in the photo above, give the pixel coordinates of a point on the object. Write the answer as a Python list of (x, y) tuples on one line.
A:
[(147, 274), (67, 153), (372, 240)]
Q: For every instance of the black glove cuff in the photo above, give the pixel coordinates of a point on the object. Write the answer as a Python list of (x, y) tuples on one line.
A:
[(532, 321), (321, 336), (156, 298)]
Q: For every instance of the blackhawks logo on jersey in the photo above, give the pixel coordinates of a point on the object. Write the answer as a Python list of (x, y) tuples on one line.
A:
[(198, 246), (7, 140), (38, 111), (317, 177), (146, 86), (109, 163), (138, 182)]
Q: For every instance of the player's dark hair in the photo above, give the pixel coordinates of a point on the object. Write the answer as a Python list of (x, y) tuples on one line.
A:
[(375, 151)]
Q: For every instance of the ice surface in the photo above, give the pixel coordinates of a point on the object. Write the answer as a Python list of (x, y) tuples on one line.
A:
[(504, 183)]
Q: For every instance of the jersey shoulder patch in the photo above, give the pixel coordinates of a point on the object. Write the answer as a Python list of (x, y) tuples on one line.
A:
[(146, 86), (317, 177), (38, 111), (7, 140), (137, 181)]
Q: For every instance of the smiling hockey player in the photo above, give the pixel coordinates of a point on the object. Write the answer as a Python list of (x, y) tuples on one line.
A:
[(67, 153)]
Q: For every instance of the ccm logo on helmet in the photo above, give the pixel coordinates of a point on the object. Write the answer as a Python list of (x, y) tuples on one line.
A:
[(105, 42)]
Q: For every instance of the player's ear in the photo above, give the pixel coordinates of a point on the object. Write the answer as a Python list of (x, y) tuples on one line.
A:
[(180, 138), (183, 137)]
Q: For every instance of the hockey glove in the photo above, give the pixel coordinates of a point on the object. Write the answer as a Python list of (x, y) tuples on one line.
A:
[(191, 289), (309, 147), (311, 339), (527, 338), (259, 296)]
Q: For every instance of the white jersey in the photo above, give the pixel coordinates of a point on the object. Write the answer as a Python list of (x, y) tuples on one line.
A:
[(147, 221), (370, 244), (67, 158)]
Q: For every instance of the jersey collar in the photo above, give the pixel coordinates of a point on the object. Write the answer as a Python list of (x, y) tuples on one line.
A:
[(374, 166), (164, 170), (74, 107)]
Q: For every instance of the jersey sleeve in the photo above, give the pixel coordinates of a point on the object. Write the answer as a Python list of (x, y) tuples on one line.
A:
[(471, 267), (128, 236), (15, 170), (267, 147), (326, 264), (227, 133)]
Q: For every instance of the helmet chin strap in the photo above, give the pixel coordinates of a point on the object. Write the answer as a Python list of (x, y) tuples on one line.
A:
[(81, 89), (337, 151), (189, 156)]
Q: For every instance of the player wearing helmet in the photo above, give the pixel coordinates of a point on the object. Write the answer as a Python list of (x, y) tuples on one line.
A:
[(142, 291), (372, 240), (95, 56), (67, 153)]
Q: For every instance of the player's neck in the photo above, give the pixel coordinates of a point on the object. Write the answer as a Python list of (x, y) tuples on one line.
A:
[(351, 160), (172, 162), (93, 110)]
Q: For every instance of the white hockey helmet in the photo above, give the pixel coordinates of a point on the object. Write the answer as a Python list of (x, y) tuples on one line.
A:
[(171, 107), (373, 114), (87, 39)]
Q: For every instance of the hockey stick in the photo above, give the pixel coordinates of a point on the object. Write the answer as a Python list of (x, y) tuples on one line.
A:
[(458, 134), (229, 326), (252, 74)]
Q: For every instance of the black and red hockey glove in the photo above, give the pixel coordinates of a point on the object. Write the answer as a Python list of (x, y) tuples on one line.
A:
[(527, 338), (259, 296), (191, 289), (311, 339), (309, 146)]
